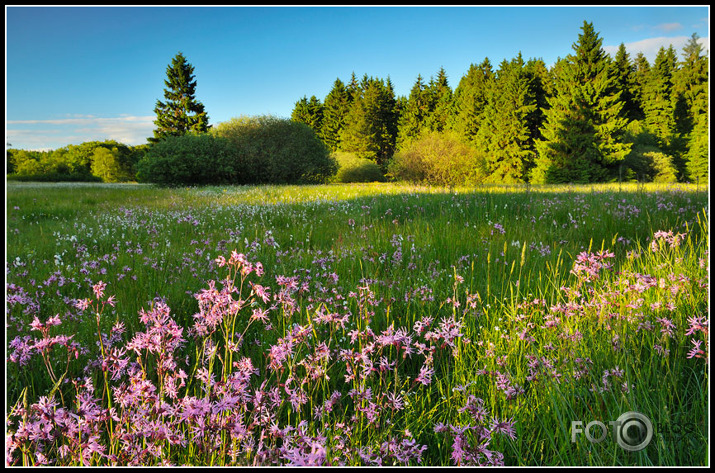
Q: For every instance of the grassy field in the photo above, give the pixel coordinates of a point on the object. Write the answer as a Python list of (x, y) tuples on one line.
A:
[(356, 324)]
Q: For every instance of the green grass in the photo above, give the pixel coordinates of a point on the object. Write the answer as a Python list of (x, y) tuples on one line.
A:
[(511, 245)]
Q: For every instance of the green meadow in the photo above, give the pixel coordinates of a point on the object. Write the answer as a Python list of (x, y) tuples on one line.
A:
[(386, 324)]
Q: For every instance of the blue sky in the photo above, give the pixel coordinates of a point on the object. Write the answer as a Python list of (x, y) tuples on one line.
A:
[(75, 74)]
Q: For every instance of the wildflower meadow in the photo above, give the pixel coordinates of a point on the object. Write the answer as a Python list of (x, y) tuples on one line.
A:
[(362, 325)]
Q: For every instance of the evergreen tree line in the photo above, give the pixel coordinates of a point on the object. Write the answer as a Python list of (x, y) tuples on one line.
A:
[(588, 118)]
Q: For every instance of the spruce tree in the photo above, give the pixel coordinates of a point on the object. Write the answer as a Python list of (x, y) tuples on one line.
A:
[(584, 127), (691, 83), (504, 136), (181, 113), (470, 99), (335, 108), (412, 117), (440, 102), (371, 124), (658, 106), (624, 72), (540, 78), (641, 74), (310, 112)]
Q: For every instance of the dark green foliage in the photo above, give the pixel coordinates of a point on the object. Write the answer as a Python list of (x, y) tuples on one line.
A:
[(504, 136), (470, 99), (583, 130), (273, 150), (354, 169), (439, 101), (540, 80), (190, 159), (181, 113), (335, 108), (53, 177), (625, 81), (309, 112), (371, 124), (641, 73), (439, 159), (414, 114), (658, 105)]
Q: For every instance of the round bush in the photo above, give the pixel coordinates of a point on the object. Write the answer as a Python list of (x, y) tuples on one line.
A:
[(189, 159), (354, 169), (271, 150), (438, 158)]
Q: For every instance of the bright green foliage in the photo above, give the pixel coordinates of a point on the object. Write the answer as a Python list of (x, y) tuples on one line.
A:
[(625, 81), (309, 112), (371, 124), (691, 88), (415, 111), (354, 169), (273, 150), (26, 163), (107, 165), (75, 162), (181, 113), (439, 159), (696, 159), (663, 167), (583, 126), (335, 108), (440, 102), (504, 136), (470, 99)]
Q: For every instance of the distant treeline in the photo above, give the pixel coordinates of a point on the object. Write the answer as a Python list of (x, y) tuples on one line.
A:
[(588, 118), (102, 161)]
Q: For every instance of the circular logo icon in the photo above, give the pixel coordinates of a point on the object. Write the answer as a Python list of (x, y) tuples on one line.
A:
[(633, 431)]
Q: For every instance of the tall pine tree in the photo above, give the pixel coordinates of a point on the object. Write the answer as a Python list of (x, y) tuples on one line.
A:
[(412, 118), (335, 108), (658, 106), (181, 113), (440, 102), (469, 100), (310, 112), (624, 72), (583, 130), (370, 127), (504, 136), (691, 83)]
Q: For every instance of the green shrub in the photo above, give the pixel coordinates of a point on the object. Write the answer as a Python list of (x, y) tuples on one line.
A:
[(189, 159), (439, 158), (271, 150), (354, 169)]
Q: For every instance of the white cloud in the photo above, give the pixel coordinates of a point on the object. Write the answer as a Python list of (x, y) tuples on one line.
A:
[(650, 46), (666, 27), (75, 129)]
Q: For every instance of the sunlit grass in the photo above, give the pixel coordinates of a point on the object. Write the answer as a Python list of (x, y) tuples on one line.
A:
[(496, 258)]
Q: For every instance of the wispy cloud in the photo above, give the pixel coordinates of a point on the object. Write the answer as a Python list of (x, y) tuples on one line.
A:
[(74, 129), (650, 46), (667, 27)]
